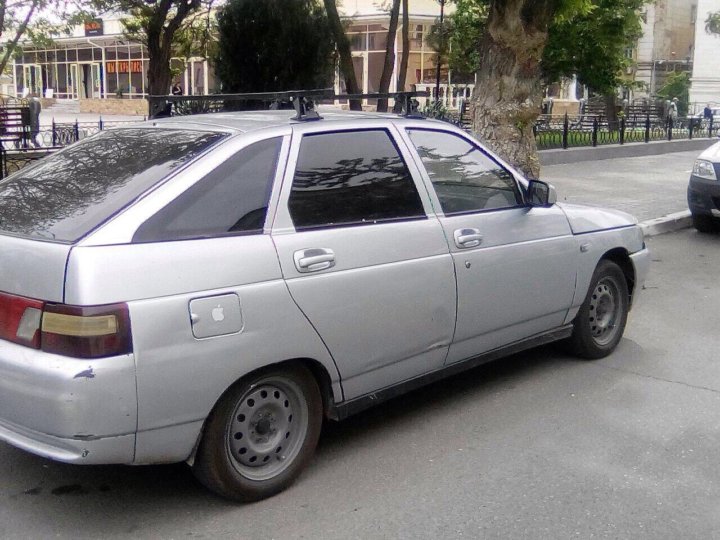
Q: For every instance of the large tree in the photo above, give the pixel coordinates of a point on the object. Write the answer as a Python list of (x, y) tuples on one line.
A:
[(156, 24), (508, 94), (404, 55), (389, 63), (297, 54), (347, 67), (592, 46)]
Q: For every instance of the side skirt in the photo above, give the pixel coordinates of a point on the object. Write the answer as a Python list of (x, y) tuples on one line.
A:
[(354, 406)]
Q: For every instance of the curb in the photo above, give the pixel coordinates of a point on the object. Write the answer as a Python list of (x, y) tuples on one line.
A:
[(561, 156), (666, 224)]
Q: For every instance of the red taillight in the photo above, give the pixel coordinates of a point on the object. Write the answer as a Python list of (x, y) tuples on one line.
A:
[(80, 332), (86, 332), (20, 319)]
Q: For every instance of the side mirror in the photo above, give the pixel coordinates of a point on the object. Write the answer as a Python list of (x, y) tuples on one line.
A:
[(541, 194)]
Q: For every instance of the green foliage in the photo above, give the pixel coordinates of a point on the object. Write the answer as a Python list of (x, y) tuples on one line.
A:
[(588, 38), (158, 25), (464, 31), (194, 37), (677, 85), (297, 53), (712, 23), (593, 44), (29, 20)]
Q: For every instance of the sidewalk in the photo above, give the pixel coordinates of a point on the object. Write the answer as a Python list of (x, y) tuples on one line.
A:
[(652, 188)]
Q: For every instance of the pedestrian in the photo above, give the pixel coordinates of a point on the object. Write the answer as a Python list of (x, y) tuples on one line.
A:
[(35, 108), (672, 110), (177, 89), (708, 114)]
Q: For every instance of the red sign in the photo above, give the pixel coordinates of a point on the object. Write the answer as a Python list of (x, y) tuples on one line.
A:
[(94, 27), (124, 66)]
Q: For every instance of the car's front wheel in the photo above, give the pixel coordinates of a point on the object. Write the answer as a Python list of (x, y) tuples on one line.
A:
[(600, 323), (261, 434)]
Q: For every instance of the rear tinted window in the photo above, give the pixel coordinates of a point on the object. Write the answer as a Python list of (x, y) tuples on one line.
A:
[(68, 194), (351, 178)]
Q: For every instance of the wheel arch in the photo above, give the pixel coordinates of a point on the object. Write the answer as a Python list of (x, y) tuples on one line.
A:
[(316, 369), (621, 257)]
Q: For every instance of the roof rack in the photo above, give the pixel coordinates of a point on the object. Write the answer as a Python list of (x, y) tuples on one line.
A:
[(303, 101)]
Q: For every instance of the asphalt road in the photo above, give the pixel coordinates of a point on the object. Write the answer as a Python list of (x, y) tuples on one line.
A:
[(539, 445), (647, 187)]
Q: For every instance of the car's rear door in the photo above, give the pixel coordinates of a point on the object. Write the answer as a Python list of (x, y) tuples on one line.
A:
[(363, 256), (515, 265)]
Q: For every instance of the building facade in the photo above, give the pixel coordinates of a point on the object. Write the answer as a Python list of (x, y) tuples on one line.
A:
[(705, 81), (96, 62), (667, 43)]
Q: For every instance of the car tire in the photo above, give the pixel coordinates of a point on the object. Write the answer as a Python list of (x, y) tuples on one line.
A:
[(705, 223), (261, 434), (600, 323)]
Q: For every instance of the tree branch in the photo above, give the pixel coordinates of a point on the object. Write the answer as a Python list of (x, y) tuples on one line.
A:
[(10, 45)]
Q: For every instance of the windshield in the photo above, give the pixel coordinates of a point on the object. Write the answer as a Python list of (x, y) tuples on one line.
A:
[(65, 196)]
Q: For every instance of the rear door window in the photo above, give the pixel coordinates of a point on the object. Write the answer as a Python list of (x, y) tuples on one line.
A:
[(351, 178), (68, 194), (231, 199)]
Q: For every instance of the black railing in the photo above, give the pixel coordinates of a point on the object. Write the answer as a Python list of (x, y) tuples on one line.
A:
[(566, 132)]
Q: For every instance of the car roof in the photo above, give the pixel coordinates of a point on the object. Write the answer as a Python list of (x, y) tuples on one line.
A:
[(245, 121)]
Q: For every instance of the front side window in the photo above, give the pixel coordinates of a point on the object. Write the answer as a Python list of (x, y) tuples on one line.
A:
[(351, 178), (231, 199), (465, 178), (65, 196)]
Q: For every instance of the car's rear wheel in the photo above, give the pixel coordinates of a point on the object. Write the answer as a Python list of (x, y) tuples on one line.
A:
[(261, 435), (705, 223), (600, 323)]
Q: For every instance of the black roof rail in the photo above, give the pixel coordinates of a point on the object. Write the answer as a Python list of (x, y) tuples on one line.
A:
[(303, 101)]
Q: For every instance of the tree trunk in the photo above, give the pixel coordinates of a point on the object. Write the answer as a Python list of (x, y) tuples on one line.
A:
[(402, 76), (508, 95), (611, 112), (159, 74), (347, 68), (382, 104)]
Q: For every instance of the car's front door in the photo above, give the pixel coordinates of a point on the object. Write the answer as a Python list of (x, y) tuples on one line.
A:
[(362, 258), (515, 265)]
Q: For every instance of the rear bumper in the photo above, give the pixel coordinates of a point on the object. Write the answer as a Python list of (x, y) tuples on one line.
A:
[(81, 411)]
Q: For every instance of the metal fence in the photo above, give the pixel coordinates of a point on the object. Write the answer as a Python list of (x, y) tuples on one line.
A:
[(564, 132)]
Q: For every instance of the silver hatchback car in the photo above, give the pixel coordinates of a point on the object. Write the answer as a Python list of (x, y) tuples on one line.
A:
[(208, 289)]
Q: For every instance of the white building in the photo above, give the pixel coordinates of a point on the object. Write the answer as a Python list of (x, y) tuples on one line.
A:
[(705, 81), (96, 62)]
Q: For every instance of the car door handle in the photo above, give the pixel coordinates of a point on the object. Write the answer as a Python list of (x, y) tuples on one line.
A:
[(314, 259), (467, 238)]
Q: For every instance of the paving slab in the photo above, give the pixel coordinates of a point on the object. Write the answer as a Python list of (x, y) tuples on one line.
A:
[(652, 188)]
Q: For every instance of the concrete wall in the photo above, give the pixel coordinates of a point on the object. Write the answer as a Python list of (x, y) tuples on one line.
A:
[(114, 106)]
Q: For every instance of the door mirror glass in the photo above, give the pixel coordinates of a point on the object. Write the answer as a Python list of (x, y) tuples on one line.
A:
[(541, 194)]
